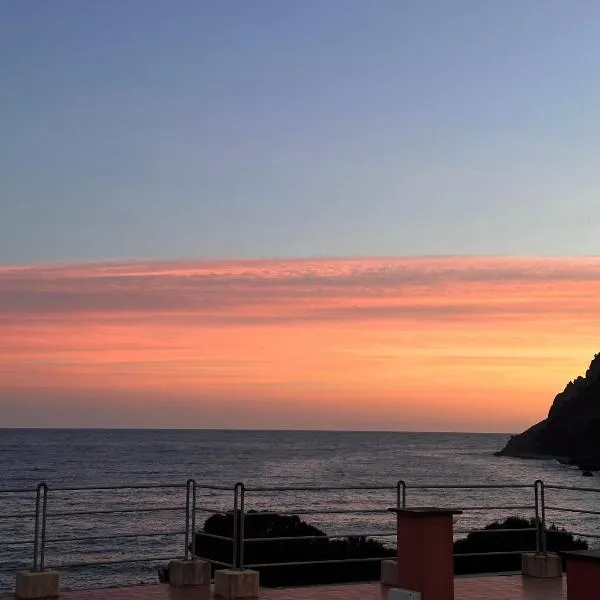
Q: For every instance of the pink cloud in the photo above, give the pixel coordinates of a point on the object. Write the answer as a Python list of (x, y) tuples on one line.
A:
[(246, 292), (306, 335)]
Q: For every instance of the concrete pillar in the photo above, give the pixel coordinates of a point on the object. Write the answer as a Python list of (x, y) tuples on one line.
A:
[(389, 572), (189, 572), (534, 564), (425, 552), (232, 583), (34, 585), (583, 574)]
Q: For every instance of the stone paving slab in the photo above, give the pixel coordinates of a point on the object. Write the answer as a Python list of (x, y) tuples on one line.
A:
[(512, 587)]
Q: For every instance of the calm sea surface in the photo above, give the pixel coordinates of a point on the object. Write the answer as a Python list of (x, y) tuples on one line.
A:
[(79, 458)]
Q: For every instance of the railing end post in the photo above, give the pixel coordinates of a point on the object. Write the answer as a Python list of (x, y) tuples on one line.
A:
[(401, 494), (39, 536)]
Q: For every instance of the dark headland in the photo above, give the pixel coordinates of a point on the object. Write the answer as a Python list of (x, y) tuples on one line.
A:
[(571, 432)]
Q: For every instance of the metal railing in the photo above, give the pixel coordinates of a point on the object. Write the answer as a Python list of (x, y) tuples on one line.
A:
[(59, 518), (63, 508), (217, 511), (401, 502), (505, 507), (563, 509), (242, 541)]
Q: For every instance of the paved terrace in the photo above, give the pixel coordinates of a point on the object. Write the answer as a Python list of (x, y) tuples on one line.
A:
[(513, 587)]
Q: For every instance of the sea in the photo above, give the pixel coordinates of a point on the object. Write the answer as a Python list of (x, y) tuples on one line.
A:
[(259, 459)]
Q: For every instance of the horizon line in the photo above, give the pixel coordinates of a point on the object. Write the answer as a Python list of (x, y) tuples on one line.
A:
[(238, 430)]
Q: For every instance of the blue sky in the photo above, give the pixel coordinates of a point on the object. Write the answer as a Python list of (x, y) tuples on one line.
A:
[(266, 128)]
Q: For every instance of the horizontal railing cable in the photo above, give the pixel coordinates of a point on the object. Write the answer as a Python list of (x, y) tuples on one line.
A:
[(117, 536), (321, 537), (114, 511)]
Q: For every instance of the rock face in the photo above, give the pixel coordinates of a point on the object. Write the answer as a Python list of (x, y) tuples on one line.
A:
[(571, 432)]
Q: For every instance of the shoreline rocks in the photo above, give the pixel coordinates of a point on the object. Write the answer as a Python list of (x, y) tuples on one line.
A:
[(571, 431)]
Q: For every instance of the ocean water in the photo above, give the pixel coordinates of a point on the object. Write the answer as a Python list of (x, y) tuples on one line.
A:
[(83, 458)]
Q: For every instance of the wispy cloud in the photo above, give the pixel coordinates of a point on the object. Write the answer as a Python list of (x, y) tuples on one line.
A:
[(328, 329), (234, 292)]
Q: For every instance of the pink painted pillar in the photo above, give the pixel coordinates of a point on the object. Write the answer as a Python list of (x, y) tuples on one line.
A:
[(583, 574), (425, 549)]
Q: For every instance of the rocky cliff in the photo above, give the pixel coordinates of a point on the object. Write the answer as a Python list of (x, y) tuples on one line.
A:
[(571, 432)]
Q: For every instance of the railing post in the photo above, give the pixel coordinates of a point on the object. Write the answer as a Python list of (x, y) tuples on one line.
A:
[(36, 533), (39, 538), (538, 536), (237, 582), (235, 541), (543, 505), (540, 563), (38, 583), (44, 519), (190, 488), (242, 525), (401, 494), (193, 519), (190, 571), (540, 517)]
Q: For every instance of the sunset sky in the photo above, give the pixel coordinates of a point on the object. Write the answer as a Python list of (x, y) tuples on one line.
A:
[(188, 192), (409, 344)]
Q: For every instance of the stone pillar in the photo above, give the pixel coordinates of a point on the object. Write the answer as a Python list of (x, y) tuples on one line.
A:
[(389, 572), (184, 573), (236, 583), (425, 552), (35, 585), (583, 574), (537, 564)]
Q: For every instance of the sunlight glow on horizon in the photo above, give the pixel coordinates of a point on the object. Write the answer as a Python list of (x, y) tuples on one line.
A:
[(404, 344)]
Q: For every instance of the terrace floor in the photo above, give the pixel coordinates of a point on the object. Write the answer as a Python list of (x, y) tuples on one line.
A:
[(497, 587)]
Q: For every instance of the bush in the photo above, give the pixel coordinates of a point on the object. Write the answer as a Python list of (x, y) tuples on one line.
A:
[(299, 550), (271, 554), (557, 540)]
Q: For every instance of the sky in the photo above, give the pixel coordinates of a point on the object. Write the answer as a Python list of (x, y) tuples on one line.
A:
[(289, 157), (461, 344)]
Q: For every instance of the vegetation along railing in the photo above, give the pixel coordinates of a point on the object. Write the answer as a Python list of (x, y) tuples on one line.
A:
[(266, 528)]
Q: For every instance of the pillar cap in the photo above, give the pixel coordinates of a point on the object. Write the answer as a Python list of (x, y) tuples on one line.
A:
[(590, 555), (425, 511)]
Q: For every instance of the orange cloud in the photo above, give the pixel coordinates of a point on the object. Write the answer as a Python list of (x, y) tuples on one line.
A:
[(415, 343)]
